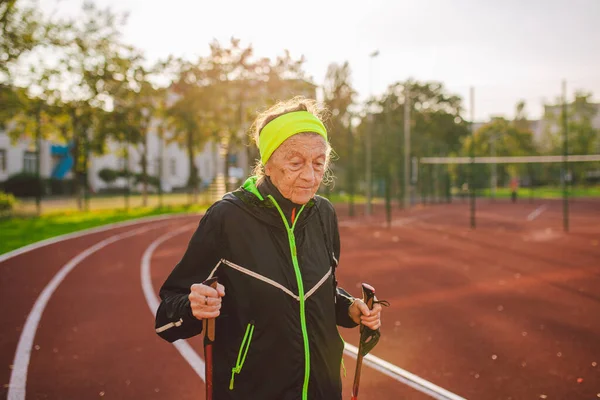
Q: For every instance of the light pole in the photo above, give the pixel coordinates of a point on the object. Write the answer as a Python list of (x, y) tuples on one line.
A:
[(368, 210), (565, 167), (407, 186), (472, 155), (494, 182)]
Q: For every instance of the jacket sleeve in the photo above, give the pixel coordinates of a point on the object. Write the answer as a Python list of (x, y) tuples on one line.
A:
[(174, 318), (343, 299)]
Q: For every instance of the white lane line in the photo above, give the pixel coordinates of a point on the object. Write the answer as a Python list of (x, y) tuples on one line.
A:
[(537, 212), (84, 232), (403, 376), (196, 362), (184, 348), (18, 376)]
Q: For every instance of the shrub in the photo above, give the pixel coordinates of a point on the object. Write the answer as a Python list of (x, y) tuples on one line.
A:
[(24, 185), (7, 202), (108, 175)]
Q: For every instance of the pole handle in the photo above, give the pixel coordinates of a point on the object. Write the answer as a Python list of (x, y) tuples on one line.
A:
[(368, 293), (210, 323)]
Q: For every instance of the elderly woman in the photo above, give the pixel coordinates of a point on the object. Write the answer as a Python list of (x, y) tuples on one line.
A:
[(274, 246)]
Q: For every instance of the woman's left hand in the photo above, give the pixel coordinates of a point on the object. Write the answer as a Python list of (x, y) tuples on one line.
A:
[(360, 314)]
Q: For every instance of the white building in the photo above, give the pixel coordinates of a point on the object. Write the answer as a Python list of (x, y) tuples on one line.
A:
[(175, 164), (21, 157)]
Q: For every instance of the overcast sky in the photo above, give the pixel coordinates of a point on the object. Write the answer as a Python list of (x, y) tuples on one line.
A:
[(507, 49)]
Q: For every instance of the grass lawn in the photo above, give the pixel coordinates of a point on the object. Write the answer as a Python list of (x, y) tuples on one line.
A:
[(105, 202), (19, 231), (344, 198)]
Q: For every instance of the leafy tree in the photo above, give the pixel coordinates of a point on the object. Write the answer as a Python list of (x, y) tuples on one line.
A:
[(437, 128), (501, 138), (339, 99), (191, 122), (582, 137), (94, 64), (216, 96)]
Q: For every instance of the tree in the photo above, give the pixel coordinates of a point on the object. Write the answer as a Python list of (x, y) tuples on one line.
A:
[(501, 138), (244, 84), (22, 29), (583, 137), (138, 104), (33, 120), (191, 119), (93, 64), (24, 108), (437, 128), (339, 98), (217, 95)]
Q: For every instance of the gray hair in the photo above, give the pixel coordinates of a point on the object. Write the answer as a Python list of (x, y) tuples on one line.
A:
[(298, 103)]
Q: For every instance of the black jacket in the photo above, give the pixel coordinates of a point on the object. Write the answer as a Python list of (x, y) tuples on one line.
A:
[(272, 342)]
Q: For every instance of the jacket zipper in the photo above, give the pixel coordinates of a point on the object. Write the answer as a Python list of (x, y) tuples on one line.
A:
[(242, 353), (293, 250)]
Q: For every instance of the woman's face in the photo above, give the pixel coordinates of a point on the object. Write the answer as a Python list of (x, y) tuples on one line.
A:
[(297, 167)]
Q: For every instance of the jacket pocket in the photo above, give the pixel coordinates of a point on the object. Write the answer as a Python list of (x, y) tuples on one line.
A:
[(242, 353)]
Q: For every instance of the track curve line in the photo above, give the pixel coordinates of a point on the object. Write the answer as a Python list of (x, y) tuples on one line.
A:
[(182, 346), (90, 231), (402, 375), (18, 376)]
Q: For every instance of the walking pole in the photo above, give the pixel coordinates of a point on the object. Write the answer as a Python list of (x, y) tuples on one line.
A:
[(209, 338), (368, 337)]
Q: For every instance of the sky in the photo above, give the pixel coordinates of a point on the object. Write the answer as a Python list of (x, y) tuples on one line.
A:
[(507, 50)]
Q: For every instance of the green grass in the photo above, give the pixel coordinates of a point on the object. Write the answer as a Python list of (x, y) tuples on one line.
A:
[(20, 231), (343, 198), (547, 192), (104, 202)]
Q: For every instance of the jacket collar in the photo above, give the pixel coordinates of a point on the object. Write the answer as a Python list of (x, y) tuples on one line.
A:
[(264, 188)]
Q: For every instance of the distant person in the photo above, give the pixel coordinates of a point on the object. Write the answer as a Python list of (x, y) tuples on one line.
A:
[(274, 246), (514, 187)]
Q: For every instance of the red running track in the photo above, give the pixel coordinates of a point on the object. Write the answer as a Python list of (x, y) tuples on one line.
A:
[(508, 311)]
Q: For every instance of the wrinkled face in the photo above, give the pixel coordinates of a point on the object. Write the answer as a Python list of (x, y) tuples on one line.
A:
[(297, 167)]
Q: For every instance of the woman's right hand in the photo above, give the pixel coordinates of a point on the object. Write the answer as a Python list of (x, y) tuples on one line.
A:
[(206, 301)]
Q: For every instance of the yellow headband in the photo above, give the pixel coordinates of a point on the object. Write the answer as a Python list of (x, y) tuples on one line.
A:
[(285, 126)]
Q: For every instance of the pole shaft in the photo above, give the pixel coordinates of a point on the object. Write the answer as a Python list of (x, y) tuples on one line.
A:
[(565, 155), (368, 170), (494, 168), (356, 383), (38, 155), (406, 146), (472, 174), (160, 167), (350, 169)]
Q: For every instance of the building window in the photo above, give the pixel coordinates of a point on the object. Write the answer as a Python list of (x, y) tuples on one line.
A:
[(29, 162), (2, 160), (173, 166)]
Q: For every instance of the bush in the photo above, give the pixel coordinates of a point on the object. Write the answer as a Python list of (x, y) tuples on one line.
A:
[(7, 202), (24, 185), (109, 175), (152, 180)]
